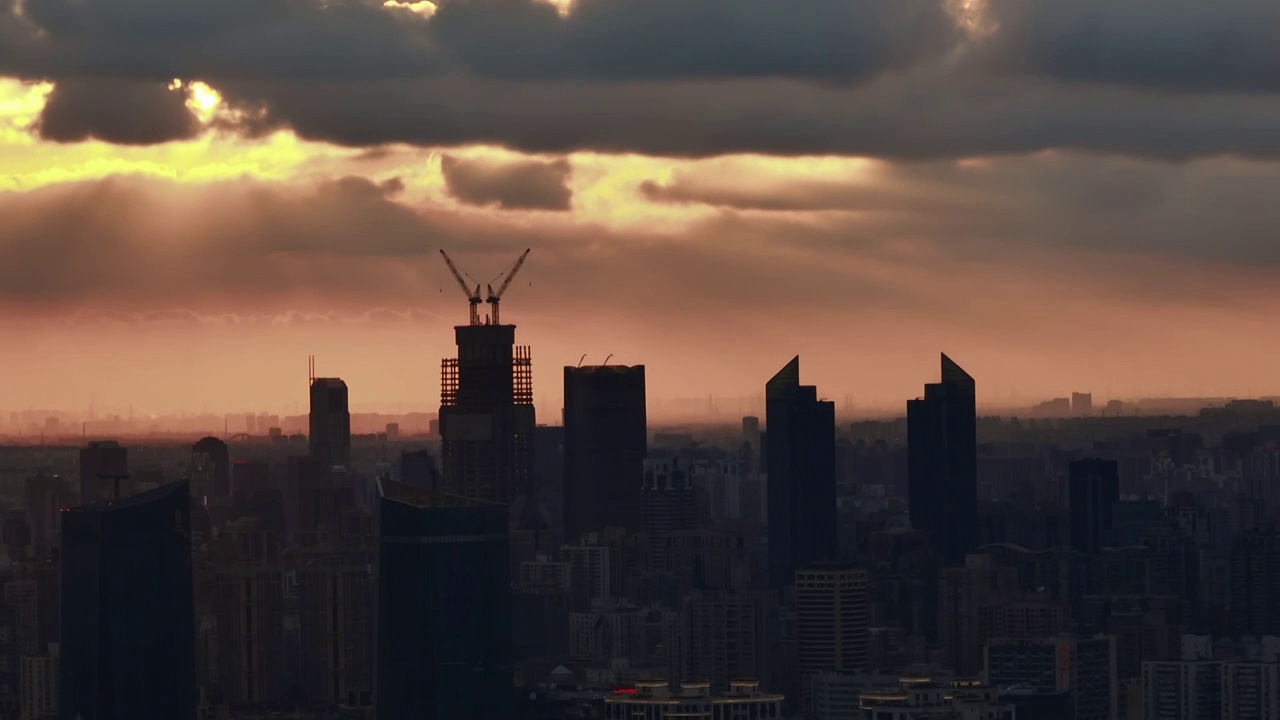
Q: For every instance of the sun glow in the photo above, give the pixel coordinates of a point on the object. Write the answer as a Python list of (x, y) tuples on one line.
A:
[(422, 7)]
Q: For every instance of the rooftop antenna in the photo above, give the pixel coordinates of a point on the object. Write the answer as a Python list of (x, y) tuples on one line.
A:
[(473, 297), (494, 297), (606, 360), (584, 357)]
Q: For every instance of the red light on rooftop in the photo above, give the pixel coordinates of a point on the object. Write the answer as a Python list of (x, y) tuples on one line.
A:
[(624, 691)]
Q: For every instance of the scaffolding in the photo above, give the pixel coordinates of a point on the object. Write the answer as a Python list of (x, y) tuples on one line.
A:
[(449, 382), (522, 375)]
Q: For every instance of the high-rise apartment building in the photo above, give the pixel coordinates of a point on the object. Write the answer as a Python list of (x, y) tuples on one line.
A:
[(942, 465), (249, 603), (486, 415), (801, 461), (335, 613), (1186, 689), (722, 637), (1092, 492), (330, 423), (832, 621), (128, 619), (605, 444), (444, 607)]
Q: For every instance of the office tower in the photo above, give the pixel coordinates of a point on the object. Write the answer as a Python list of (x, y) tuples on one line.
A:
[(444, 607), (335, 613), (486, 415), (963, 593), (801, 466), (832, 619), (128, 617), (1092, 493), (220, 456), (1085, 667), (605, 444), (668, 504), (102, 464), (942, 464), (249, 604), (330, 423)]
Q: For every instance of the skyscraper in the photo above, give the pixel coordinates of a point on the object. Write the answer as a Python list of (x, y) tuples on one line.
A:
[(330, 423), (801, 465), (1093, 491), (444, 607), (128, 617), (942, 463), (486, 415), (605, 443)]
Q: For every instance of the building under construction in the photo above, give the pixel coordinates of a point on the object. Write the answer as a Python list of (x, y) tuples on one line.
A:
[(486, 404)]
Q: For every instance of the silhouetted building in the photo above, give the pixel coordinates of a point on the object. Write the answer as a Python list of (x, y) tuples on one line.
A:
[(418, 468), (335, 612), (100, 463), (668, 504), (605, 444), (444, 607), (486, 415), (801, 463), (128, 616), (832, 621), (942, 467), (220, 456), (1081, 403), (330, 423), (1093, 491)]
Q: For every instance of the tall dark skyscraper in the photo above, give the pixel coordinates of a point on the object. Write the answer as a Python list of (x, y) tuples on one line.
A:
[(942, 463), (486, 415), (128, 613), (605, 444), (444, 607), (801, 466), (98, 462), (330, 426), (1093, 490)]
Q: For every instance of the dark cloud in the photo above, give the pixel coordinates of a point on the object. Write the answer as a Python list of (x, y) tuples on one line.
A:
[(518, 185), (925, 114), (835, 40), (1000, 210), (685, 77), (122, 112), (1220, 46)]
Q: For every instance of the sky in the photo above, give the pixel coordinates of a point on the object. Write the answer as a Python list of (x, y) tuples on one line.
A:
[(195, 195)]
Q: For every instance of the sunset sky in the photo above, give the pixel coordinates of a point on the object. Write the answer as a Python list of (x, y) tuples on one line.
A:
[(1063, 195)]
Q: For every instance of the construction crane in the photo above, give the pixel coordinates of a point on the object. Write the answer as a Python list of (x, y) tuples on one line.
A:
[(494, 297), (473, 297)]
